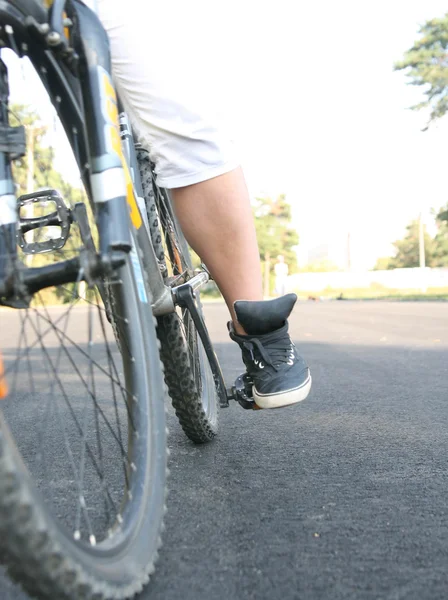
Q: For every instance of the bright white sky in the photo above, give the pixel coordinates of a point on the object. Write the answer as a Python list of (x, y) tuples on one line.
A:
[(319, 114)]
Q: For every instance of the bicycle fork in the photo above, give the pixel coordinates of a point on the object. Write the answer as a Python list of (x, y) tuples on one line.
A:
[(12, 142), (99, 155)]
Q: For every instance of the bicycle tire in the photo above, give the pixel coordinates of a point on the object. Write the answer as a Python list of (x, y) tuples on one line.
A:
[(32, 8), (38, 551), (195, 401), (110, 552)]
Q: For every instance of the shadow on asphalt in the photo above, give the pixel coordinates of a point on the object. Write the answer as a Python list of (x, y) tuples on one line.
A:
[(342, 497)]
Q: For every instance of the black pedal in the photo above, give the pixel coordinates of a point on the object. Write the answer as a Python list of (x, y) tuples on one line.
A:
[(242, 392), (55, 214)]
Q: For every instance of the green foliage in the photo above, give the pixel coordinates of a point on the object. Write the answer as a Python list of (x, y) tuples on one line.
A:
[(407, 249), (442, 215), (44, 176), (441, 239), (426, 65), (274, 231)]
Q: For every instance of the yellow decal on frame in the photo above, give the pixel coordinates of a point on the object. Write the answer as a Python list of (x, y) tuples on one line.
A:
[(115, 141)]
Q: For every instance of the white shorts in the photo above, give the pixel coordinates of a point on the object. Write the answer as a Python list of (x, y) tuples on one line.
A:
[(156, 63)]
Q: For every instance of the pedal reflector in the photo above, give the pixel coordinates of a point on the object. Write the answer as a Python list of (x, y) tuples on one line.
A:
[(3, 384)]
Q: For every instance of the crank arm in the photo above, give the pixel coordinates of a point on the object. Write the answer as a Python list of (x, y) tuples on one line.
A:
[(184, 296), (241, 391)]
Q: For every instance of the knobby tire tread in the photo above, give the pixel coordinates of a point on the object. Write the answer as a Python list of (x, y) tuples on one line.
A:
[(33, 558), (179, 378), (34, 554)]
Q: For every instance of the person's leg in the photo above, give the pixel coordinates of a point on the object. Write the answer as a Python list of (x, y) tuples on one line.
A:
[(161, 93), (216, 218)]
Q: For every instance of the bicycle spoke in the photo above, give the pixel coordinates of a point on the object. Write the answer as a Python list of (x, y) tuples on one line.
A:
[(46, 414), (188, 343), (78, 427), (34, 344), (29, 368), (82, 502), (111, 363), (193, 342), (61, 420), (75, 345), (56, 382), (17, 361), (83, 381)]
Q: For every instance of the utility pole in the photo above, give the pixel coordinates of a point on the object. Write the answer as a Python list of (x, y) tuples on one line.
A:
[(421, 249)]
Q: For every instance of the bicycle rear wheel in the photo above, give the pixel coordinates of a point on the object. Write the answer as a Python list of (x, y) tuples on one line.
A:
[(82, 436), (187, 371)]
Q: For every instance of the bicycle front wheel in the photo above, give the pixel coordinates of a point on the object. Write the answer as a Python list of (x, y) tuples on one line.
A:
[(82, 438)]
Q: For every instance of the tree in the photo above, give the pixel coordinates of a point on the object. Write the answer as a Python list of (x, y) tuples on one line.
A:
[(383, 264), (443, 214), (274, 231), (426, 64), (35, 171), (407, 250), (441, 239)]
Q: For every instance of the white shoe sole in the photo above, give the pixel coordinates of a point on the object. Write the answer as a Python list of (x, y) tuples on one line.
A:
[(285, 399)]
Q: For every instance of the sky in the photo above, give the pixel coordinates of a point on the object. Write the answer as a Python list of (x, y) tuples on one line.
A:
[(322, 117), (308, 92)]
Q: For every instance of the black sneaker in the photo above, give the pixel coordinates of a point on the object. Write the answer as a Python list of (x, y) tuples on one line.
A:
[(280, 376)]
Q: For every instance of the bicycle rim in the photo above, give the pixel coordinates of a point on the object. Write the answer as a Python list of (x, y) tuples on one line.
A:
[(82, 437)]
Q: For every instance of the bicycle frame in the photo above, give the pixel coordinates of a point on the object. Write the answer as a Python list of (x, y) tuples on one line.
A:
[(103, 144), (89, 114)]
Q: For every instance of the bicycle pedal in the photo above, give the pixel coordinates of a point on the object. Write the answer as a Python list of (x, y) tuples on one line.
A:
[(50, 219), (3, 384), (242, 393)]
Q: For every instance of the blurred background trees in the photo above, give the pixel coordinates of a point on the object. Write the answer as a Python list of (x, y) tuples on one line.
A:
[(426, 65), (407, 249), (275, 236)]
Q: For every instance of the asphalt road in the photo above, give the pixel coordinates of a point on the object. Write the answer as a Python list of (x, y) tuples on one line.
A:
[(342, 497)]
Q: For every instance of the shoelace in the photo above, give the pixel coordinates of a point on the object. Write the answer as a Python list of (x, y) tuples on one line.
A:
[(274, 352)]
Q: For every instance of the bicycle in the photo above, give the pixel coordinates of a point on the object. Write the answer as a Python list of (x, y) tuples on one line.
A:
[(82, 493)]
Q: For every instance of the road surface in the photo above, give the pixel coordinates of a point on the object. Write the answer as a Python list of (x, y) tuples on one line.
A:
[(342, 497)]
